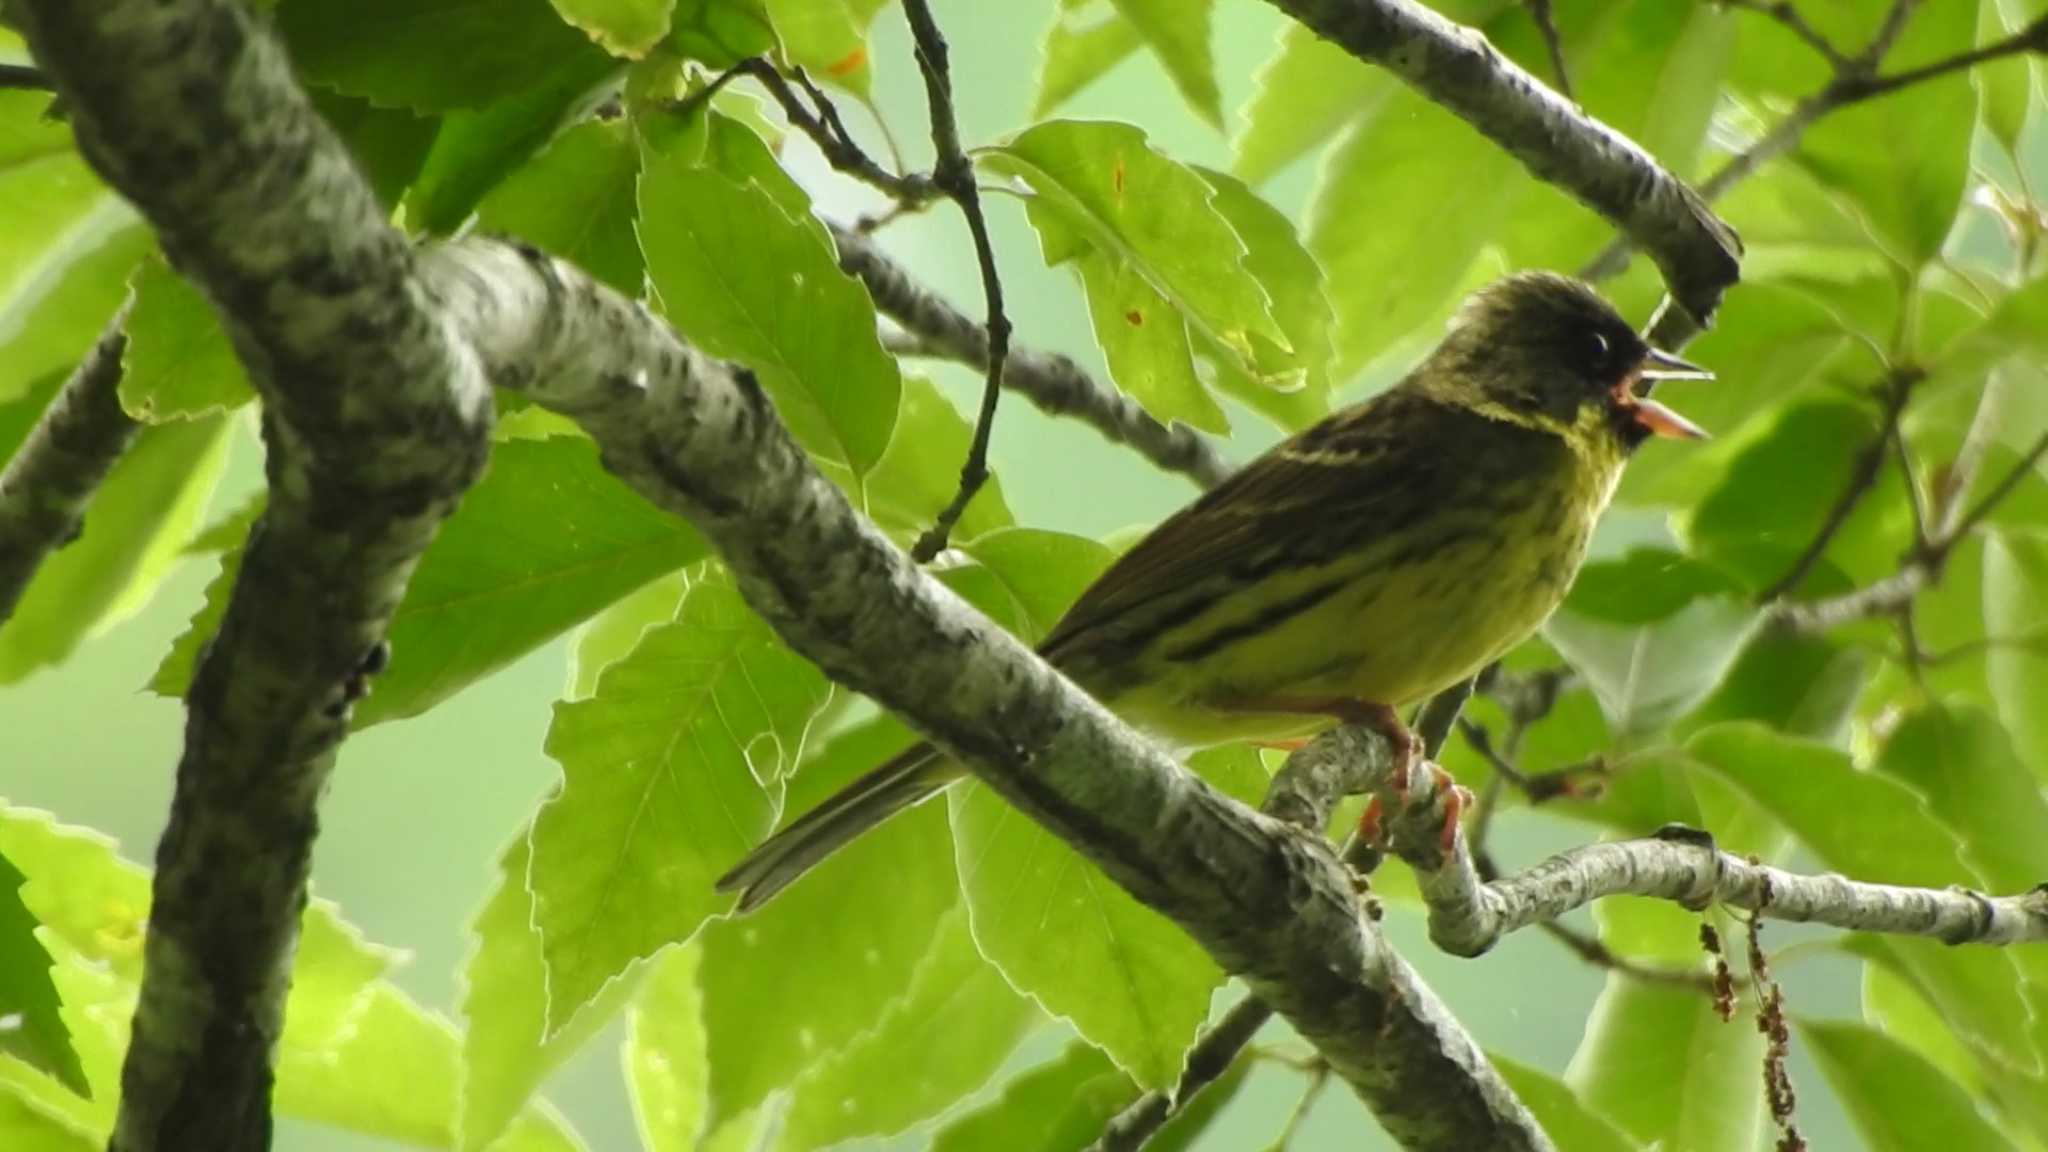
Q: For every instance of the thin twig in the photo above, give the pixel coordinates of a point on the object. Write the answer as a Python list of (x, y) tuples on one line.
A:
[(1999, 491), (953, 173), (1318, 1079), (23, 78), (1784, 13), (825, 130), (1863, 476), (2033, 643), (1546, 25)]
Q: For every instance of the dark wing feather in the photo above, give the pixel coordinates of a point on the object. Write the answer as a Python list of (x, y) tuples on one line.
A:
[(1361, 470)]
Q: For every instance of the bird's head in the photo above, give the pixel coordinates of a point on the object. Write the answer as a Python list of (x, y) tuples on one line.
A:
[(1542, 349)]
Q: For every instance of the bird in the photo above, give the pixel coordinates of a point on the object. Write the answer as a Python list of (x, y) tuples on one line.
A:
[(1387, 552)]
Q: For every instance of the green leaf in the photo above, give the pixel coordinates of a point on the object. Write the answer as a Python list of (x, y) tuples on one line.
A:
[(666, 1070), (389, 144), (1899, 1102), (1110, 191), (506, 1051), (473, 151), (1656, 1059), (1866, 825), (145, 510), (1304, 95), (1059, 1106), (1177, 31), (31, 1025), (767, 1016), (720, 33), (1144, 341), (2005, 88), (178, 364), (1042, 572), (825, 38), (59, 298), (2016, 618), (1778, 491), (1962, 763), (1569, 1121), (1128, 979), (1646, 676), (1078, 50), (575, 200), (541, 543), (1294, 282), (743, 280), (920, 472), (428, 55), (1411, 161), (1906, 197), (621, 27), (1800, 685), (935, 1046), (612, 634), (671, 771), (1894, 1003), (28, 1126)]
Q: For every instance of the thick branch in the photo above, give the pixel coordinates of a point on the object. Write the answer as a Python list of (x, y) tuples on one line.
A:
[(52, 476), (1468, 917), (1268, 902), (375, 419), (1054, 383), (1456, 67)]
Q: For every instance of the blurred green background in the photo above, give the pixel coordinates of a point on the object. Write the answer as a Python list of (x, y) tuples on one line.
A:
[(419, 809)]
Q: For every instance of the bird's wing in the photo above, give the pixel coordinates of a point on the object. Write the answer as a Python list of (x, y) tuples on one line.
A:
[(1365, 470)]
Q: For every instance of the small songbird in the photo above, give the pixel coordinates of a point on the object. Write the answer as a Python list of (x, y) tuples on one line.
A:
[(1380, 556)]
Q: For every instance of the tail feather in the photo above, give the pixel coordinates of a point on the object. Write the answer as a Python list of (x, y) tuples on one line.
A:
[(778, 861)]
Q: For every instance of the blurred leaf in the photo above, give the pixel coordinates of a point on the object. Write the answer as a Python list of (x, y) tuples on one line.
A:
[(671, 771), (389, 144), (545, 540), (1109, 190), (1800, 685), (1899, 1102), (1043, 572), (1078, 50), (1656, 1060), (145, 510), (2005, 88), (1961, 762), (920, 472), (825, 38), (2016, 619), (1569, 1121), (1907, 197), (27, 1126), (31, 1025), (1059, 1106), (720, 33), (1411, 161), (622, 27), (1644, 586), (473, 151), (1128, 979), (1178, 33), (1779, 489), (178, 364), (1892, 1002), (575, 200), (1294, 282), (666, 1069), (768, 1014), (935, 1046), (1647, 676), (735, 274), (506, 1051), (1866, 825), (428, 55), (57, 298), (1302, 96)]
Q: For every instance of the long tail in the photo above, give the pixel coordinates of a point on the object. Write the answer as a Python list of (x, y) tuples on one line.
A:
[(779, 860)]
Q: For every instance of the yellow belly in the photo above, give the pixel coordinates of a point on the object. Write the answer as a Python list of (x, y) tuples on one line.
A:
[(1390, 634)]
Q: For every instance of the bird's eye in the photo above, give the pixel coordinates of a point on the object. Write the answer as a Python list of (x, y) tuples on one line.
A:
[(1600, 349)]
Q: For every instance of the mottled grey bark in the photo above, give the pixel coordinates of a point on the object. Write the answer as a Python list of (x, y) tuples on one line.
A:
[(376, 419), (51, 477)]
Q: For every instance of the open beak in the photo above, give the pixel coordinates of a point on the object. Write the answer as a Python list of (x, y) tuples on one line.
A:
[(1647, 414)]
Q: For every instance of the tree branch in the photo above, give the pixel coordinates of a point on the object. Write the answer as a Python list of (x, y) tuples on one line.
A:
[(953, 173), (1467, 916), (52, 476), (1456, 67), (22, 78), (375, 421), (1269, 903), (1053, 383)]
